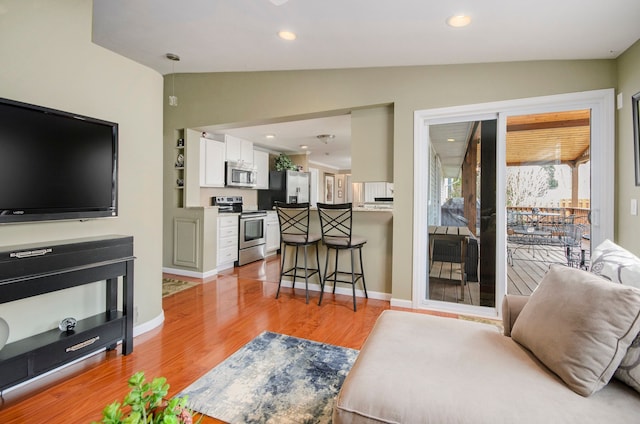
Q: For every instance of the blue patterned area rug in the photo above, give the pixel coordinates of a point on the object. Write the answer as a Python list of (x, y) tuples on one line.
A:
[(274, 379)]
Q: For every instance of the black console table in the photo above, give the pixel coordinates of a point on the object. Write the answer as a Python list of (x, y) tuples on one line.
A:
[(37, 269)]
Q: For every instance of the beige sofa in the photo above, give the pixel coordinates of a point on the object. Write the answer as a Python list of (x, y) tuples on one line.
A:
[(418, 368)]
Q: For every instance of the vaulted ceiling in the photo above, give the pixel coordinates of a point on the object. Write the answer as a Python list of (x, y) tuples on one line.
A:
[(241, 35)]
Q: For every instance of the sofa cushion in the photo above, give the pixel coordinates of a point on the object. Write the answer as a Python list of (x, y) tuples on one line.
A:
[(621, 266), (418, 368), (579, 325)]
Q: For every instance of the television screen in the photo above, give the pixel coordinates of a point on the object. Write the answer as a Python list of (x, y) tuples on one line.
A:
[(55, 165)]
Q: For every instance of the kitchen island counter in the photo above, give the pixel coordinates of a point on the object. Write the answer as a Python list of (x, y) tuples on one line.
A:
[(376, 225)]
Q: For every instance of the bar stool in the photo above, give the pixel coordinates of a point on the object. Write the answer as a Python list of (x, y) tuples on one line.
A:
[(336, 224), (294, 232)]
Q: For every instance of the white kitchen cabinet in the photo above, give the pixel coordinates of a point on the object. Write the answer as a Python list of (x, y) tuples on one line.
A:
[(212, 155), (238, 149), (227, 252), (273, 232), (261, 162)]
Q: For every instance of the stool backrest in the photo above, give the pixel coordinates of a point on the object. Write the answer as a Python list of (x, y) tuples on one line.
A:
[(335, 221), (294, 219)]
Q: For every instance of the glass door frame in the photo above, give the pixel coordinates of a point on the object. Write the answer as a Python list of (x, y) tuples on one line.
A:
[(601, 104)]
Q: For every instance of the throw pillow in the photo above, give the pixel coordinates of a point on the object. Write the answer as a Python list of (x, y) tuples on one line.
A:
[(621, 266), (616, 264), (579, 325)]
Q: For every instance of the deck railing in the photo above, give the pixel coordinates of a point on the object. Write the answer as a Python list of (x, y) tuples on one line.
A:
[(581, 215)]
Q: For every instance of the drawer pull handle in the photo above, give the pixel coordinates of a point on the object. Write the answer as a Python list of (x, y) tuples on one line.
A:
[(29, 253), (83, 344)]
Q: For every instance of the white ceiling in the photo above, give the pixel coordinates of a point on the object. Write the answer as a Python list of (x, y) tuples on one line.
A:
[(240, 35), (289, 136)]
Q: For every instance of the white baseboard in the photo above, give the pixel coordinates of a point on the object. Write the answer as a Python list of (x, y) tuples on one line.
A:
[(149, 325), (401, 303), (339, 290), (187, 273), (299, 284)]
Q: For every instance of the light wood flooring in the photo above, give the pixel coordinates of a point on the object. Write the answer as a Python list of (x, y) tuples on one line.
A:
[(203, 325)]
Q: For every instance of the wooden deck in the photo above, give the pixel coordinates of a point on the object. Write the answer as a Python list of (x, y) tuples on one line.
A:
[(444, 285), (530, 263)]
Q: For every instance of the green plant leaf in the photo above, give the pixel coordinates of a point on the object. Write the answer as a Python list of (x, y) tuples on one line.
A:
[(132, 398), (112, 412), (158, 382), (146, 404), (136, 379), (170, 419), (133, 418)]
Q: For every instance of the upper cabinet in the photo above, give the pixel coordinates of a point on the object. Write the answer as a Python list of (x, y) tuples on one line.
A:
[(261, 162), (212, 155), (238, 149)]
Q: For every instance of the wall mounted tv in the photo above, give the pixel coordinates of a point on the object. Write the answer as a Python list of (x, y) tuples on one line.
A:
[(55, 165)]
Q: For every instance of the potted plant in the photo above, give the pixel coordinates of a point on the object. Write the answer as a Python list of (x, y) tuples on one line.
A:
[(284, 163), (146, 404)]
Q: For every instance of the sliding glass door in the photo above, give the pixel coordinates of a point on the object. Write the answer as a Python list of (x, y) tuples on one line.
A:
[(548, 195), (475, 190), (461, 213)]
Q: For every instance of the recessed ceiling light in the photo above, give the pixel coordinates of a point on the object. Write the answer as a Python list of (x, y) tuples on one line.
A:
[(287, 35), (451, 139), (270, 136), (304, 146), (459, 21)]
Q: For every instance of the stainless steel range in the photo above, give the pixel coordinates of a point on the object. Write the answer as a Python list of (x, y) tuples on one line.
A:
[(252, 242), (252, 231)]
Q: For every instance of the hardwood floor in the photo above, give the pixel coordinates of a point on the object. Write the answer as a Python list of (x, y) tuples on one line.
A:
[(203, 325)]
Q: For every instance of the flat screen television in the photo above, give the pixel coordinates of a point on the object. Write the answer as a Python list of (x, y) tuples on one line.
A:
[(55, 165)]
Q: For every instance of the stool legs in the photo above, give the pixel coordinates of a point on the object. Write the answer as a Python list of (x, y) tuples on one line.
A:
[(293, 271), (306, 274), (364, 286), (335, 274), (354, 275), (323, 280), (353, 279), (284, 256)]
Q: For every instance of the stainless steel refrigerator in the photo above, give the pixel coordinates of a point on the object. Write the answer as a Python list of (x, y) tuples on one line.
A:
[(285, 186)]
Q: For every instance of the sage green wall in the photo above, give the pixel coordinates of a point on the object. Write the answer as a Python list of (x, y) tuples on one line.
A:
[(627, 226), (218, 98), (48, 59), (371, 132)]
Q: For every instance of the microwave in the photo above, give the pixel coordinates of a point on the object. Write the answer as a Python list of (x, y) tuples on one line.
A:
[(240, 174)]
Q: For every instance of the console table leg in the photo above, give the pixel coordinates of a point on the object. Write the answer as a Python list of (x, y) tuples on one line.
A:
[(127, 309)]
